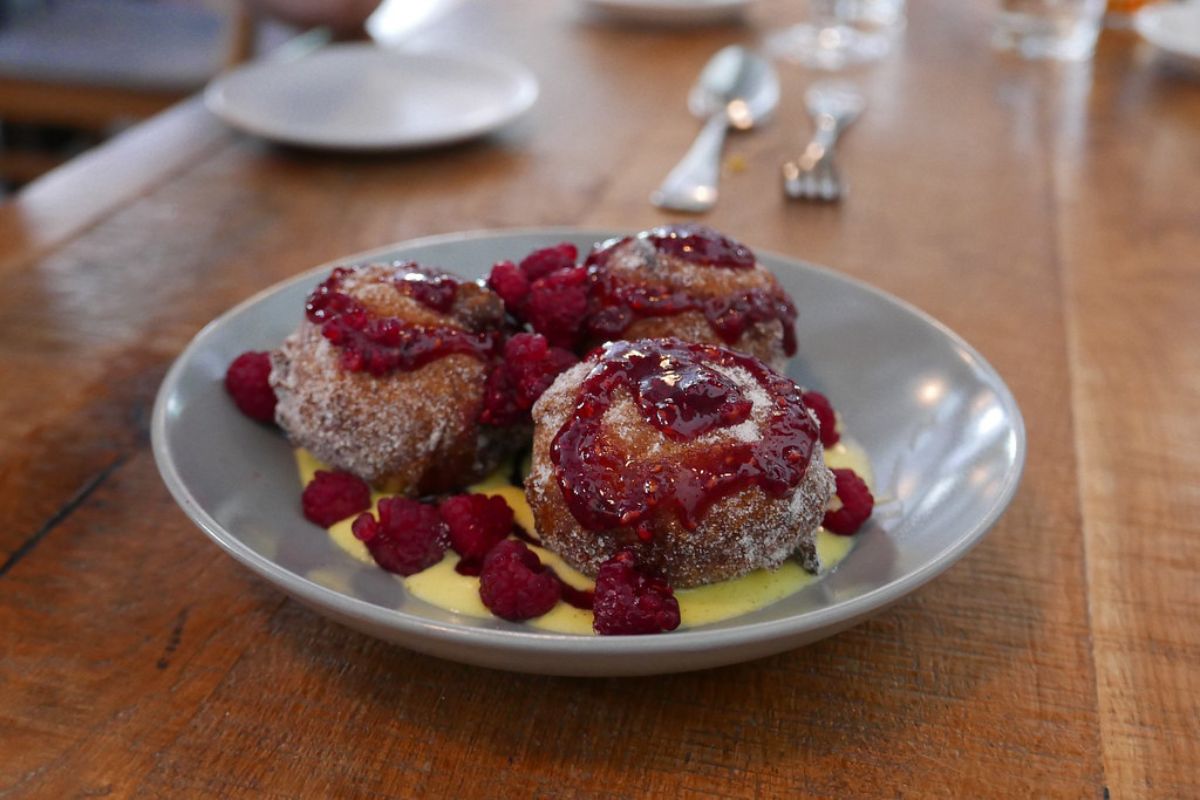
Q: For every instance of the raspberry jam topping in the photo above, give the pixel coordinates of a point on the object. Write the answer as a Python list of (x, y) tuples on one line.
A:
[(675, 386), (380, 345), (697, 244), (617, 303), (429, 287), (689, 400)]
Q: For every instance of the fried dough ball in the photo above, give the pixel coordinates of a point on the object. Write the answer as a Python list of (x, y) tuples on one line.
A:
[(705, 462), (692, 283), (385, 377)]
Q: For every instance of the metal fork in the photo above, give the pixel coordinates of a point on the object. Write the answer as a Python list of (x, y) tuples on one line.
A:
[(814, 176)]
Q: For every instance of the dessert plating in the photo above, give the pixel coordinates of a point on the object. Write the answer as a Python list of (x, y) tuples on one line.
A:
[(677, 460)]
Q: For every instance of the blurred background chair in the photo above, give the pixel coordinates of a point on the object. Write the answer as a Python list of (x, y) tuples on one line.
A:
[(74, 71)]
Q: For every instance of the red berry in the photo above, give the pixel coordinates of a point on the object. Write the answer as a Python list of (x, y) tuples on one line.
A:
[(541, 263), (408, 537), (534, 365), (515, 585), (508, 281), (247, 382), (628, 601), (530, 365), (557, 304), (499, 399), (857, 503), (821, 406), (476, 523), (332, 496)]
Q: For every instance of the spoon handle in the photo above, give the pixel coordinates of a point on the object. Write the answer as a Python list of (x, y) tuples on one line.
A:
[(692, 185)]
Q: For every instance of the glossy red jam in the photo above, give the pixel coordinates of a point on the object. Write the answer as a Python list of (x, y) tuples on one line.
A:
[(691, 242), (674, 385), (379, 345), (616, 303), (431, 288)]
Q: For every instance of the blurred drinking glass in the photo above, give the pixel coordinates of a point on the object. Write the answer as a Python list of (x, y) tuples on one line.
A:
[(1120, 12), (1059, 29), (840, 33)]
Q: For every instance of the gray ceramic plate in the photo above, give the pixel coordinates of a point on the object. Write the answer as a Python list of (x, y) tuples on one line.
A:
[(943, 432)]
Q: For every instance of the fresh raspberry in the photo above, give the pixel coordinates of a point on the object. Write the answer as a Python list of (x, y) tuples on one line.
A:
[(508, 281), (332, 496), (476, 522), (408, 536), (499, 398), (515, 585), (534, 365), (530, 365), (628, 601), (247, 382), (857, 504), (557, 304), (821, 406), (541, 263)]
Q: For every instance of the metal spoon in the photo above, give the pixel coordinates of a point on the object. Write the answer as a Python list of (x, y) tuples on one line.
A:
[(736, 88)]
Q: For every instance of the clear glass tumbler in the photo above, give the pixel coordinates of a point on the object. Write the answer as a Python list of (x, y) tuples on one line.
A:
[(1120, 13), (1057, 29), (840, 33)]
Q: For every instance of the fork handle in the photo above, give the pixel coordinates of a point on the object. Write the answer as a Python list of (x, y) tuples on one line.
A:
[(818, 150), (823, 139), (692, 185)]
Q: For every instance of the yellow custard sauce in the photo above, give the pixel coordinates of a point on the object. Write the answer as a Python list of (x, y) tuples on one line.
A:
[(442, 586)]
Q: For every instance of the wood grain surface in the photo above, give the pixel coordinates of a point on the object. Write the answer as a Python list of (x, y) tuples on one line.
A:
[(1048, 213)]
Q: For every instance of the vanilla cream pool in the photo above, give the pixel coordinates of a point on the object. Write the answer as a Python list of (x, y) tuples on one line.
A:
[(442, 586)]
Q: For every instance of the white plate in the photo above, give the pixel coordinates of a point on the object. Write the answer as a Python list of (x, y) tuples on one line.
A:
[(669, 12), (1173, 28), (944, 435), (365, 97)]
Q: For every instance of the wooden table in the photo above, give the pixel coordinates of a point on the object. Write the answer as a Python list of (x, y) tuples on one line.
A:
[(1050, 214)]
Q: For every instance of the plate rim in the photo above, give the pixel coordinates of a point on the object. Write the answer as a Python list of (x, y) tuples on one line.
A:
[(667, 12), (538, 642), (525, 81)]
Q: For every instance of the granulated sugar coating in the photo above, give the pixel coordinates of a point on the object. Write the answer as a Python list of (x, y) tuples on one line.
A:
[(634, 263), (741, 532), (414, 432)]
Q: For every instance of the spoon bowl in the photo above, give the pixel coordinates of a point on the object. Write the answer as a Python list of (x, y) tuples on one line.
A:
[(739, 82), (736, 89)]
